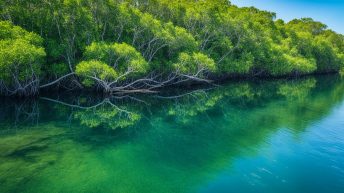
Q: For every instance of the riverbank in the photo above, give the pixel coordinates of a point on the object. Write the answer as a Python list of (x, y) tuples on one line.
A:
[(214, 81), (120, 46)]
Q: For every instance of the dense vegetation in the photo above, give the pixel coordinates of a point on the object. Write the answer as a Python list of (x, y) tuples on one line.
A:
[(140, 45)]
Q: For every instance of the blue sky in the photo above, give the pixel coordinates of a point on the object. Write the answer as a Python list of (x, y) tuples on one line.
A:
[(330, 12)]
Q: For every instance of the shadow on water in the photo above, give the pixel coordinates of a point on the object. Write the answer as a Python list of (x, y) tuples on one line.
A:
[(169, 142)]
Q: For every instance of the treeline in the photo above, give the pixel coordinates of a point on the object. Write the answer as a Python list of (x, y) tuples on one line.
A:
[(140, 45)]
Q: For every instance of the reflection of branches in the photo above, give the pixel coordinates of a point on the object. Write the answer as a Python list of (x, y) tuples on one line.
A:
[(188, 105), (26, 112), (130, 97), (105, 101), (192, 93), (104, 113), (20, 112)]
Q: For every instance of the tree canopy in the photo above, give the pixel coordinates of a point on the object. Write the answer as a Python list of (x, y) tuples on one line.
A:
[(21, 57), (135, 44)]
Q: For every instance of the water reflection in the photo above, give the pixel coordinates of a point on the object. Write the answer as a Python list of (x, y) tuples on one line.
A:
[(169, 142)]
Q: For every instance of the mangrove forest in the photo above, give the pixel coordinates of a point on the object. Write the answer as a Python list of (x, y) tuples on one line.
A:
[(119, 46)]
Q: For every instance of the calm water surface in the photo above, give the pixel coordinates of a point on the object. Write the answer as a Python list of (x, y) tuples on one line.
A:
[(259, 136)]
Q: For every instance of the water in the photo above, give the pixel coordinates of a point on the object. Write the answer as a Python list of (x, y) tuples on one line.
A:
[(258, 136)]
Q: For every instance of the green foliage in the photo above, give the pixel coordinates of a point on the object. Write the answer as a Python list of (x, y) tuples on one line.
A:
[(55, 69), (153, 37), (120, 56), (240, 65), (163, 35), (307, 25), (21, 56), (11, 32), (93, 71), (194, 63), (104, 63)]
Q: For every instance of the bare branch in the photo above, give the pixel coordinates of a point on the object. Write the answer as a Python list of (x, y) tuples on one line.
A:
[(57, 80)]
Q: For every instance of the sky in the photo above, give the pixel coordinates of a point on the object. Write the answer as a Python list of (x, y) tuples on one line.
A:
[(329, 12)]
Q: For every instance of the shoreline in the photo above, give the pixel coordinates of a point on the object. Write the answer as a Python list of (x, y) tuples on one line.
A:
[(219, 81)]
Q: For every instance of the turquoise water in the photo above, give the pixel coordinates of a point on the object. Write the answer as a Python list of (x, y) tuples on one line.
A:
[(250, 136)]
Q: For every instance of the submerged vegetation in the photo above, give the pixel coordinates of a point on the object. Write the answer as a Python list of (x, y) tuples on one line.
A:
[(141, 45)]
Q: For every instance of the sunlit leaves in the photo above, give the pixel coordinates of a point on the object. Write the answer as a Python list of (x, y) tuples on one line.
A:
[(95, 71), (120, 56), (240, 65), (162, 36), (194, 63), (21, 56), (10, 32), (106, 62)]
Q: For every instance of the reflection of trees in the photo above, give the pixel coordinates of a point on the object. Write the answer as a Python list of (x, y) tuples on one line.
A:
[(181, 147), (126, 111), (103, 114), (297, 90), (16, 113), (106, 117), (187, 106), (245, 113), (182, 109)]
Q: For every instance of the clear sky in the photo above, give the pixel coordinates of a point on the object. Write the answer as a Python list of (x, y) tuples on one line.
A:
[(330, 12)]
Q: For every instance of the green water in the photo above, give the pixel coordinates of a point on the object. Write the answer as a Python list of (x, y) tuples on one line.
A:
[(258, 136)]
